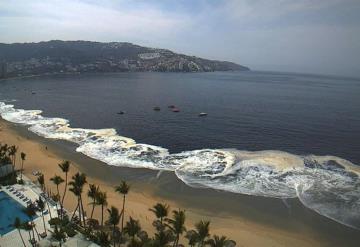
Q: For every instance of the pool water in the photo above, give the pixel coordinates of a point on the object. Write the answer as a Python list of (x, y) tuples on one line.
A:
[(9, 210)]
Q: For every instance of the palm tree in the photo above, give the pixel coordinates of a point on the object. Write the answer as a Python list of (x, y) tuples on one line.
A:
[(57, 180), (101, 199), (177, 224), (222, 241), (192, 236), (65, 167), (23, 156), (41, 205), (12, 152), (76, 191), (123, 188), (77, 183), (161, 211), (41, 181), (59, 234), (137, 243), (202, 229), (18, 225), (114, 219), (27, 227), (163, 238), (93, 190), (132, 228), (31, 212), (103, 239)]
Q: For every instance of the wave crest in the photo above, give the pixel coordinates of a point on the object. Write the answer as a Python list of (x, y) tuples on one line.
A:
[(326, 184)]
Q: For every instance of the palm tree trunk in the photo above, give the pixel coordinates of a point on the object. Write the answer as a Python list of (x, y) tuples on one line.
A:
[(82, 210), (77, 206), (114, 235), (176, 240), (93, 208), (102, 214), (43, 218), (22, 167), (61, 204), (37, 233), (21, 238), (29, 236), (13, 161), (66, 183), (13, 167), (32, 228), (79, 209), (47, 203), (123, 216)]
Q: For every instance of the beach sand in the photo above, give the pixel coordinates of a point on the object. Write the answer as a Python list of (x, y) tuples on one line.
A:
[(250, 221)]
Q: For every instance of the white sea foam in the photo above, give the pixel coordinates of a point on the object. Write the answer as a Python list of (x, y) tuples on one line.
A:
[(326, 184)]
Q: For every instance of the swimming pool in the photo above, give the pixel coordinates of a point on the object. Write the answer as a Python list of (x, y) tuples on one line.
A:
[(9, 210)]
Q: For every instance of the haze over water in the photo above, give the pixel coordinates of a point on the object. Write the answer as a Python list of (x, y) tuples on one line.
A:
[(297, 116)]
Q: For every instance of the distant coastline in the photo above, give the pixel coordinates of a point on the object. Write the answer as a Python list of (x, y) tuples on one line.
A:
[(63, 57)]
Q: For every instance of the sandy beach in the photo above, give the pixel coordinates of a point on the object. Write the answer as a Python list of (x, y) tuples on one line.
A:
[(239, 219)]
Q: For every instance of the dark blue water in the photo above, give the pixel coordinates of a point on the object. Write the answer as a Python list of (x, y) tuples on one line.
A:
[(9, 210), (301, 114)]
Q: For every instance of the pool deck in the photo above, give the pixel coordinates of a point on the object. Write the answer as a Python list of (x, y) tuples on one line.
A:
[(32, 192)]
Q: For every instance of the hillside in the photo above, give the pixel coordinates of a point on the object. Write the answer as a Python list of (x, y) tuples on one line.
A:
[(21, 59)]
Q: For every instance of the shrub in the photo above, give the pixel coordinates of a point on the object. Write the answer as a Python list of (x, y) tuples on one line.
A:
[(70, 231)]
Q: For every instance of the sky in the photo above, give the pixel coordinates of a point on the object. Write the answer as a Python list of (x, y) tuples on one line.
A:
[(310, 36)]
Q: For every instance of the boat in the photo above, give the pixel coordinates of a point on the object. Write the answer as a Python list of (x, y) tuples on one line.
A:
[(171, 106), (121, 112), (175, 110), (156, 108), (202, 114)]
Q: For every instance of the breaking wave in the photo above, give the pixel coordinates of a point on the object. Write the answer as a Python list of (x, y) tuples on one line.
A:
[(326, 184)]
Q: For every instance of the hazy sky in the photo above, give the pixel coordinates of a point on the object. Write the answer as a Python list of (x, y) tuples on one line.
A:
[(315, 36)]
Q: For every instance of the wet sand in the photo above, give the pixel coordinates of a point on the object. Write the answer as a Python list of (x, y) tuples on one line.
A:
[(249, 220)]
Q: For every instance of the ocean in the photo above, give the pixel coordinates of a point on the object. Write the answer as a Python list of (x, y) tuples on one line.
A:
[(275, 135)]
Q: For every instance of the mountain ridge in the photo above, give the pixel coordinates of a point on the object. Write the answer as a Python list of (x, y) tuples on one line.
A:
[(57, 56)]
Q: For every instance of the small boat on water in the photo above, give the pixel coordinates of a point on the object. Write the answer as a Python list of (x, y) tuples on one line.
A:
[(175, 110), (171, 106), (156, 108), (121, 112), (203, 114)]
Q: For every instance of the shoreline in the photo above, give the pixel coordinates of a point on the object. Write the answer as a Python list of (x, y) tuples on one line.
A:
[(107, 73), (249, 220)]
